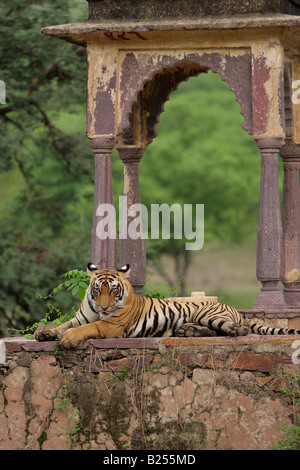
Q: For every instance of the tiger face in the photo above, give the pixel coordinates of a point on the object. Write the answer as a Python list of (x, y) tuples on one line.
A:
[(108, 290)]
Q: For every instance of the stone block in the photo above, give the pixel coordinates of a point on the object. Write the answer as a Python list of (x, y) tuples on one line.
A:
[(203, 376), (32, 345), (184, 359), (120, 365), (260, 362), (47, 359), (24, 361), (143, 361), (278, 385), (263, 380), (12, 346), (200, 359)]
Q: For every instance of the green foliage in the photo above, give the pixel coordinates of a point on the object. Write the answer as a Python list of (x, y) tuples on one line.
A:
[(121, 375), (48, 317), (78, 283), (201, 156), (202, 148), (290, 438), (160, 292), (154, 293), (47, 168)]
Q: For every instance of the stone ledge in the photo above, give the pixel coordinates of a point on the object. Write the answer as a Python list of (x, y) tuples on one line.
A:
[(20, 343), (225, 340)]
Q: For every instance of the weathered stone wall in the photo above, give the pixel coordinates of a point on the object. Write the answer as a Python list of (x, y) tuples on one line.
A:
[(154, 394)]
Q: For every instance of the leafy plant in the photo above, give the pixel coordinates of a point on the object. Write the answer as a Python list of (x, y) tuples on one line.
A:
[(161, 292), (290, 439), (77, 282), (154, 293)]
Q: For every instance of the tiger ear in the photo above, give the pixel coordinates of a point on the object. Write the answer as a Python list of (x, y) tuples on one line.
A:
[(91, 268), (125, 270)]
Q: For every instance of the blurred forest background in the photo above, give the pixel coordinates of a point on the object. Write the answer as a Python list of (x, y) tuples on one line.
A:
[(201, 155)]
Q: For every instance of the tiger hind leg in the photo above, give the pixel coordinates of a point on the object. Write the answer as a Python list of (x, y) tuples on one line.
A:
[(230, 329), (193, 330)]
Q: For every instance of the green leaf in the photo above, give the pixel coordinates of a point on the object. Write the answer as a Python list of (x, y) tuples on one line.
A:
[(75, 290), (81, 294)]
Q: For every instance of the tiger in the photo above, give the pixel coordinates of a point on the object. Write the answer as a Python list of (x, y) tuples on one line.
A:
[(111, 309)]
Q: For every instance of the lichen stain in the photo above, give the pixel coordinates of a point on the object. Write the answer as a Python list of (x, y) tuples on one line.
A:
[(101, 89), (104, 112), (292, 275), (103, 408), (260, 98)]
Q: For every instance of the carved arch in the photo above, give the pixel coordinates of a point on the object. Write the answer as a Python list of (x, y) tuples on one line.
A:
[(144, 93)]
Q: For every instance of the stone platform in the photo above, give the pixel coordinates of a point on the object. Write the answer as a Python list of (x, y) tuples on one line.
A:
[(147, 393)]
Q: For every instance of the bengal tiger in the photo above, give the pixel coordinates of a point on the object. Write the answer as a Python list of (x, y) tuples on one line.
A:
[(111, 309)]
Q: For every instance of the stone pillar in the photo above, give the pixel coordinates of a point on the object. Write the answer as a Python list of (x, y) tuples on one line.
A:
[(290, 154), (104, 243), (269, 232), (132, 246)]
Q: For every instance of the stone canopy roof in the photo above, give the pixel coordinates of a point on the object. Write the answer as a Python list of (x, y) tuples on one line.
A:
[(75, 32)]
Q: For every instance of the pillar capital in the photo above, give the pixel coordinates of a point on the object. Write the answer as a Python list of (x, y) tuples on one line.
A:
[(290, 152), (269, 144), (102, 144), (131, 154)]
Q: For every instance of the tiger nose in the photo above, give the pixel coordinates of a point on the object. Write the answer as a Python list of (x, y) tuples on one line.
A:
[(102, 305)]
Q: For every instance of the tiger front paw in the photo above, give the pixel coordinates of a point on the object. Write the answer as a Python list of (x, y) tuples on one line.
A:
[(45, 335), (71, 338)]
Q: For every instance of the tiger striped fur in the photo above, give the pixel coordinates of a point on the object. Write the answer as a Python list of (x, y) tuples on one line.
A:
[(111, 309)]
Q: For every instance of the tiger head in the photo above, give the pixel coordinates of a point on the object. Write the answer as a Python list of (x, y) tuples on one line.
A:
[(108, 289)]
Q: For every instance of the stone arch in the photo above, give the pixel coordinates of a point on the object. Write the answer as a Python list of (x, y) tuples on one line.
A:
[(143, 94)]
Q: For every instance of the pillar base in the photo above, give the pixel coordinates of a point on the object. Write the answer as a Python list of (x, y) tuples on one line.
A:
[(294, 323), (292, 297), (270, 298)]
